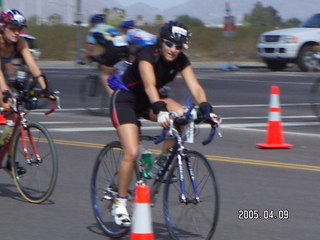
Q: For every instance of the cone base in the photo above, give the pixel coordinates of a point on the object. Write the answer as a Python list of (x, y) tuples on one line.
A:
[(142, 236), (274, 146)]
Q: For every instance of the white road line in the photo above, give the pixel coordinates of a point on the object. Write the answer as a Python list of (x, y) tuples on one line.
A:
[(40, 111), (255, 81), (237, 126)]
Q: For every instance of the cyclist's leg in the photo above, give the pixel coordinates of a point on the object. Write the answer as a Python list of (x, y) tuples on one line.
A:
[(124, 119), (9, 117), (128, 135)]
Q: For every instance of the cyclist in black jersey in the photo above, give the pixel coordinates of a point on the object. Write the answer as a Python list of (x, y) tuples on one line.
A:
[(154, 67)]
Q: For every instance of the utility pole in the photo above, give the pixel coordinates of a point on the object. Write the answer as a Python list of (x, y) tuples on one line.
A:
[(229, 32), (78, 21)]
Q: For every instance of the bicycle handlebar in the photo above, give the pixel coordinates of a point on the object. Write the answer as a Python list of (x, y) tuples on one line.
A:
[(55, 102), (25, 96), (183, 120)]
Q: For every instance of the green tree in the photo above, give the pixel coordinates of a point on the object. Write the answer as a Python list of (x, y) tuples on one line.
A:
[(106, 11), (139, 20), (261, 16), (158, 20), (190, 21), (33, 20), (292, 22), (55, 19), (116, 16)]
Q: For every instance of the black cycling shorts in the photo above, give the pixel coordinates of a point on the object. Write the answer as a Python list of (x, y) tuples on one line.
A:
[(126, 107), (113, 54)]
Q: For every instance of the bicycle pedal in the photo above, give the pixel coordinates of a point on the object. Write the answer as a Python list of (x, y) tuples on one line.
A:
[(173, 179)]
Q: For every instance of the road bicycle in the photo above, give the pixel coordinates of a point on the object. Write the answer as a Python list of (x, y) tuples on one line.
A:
[(93, 95), (30, 146), (190, 203)]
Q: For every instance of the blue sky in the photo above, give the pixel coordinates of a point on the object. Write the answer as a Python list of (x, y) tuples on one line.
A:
[(161, 4)]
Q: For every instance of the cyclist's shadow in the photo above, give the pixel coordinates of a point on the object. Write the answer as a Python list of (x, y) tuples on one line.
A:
[(10, 190), (159, 229)]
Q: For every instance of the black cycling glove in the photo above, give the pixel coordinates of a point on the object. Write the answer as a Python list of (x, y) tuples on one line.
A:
[(205, 109), (159, 106)]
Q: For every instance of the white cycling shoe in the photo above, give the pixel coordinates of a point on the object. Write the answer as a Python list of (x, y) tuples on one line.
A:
[(120, 213)]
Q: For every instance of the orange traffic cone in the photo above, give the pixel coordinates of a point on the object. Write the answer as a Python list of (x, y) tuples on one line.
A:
[(2, 120), (274, 138), (141, 228)]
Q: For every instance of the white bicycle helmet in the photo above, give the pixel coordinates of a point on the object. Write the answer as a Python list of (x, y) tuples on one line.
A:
[(13, 16)]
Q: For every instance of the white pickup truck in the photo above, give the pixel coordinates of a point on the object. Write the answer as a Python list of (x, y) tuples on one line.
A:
[(291, 45)]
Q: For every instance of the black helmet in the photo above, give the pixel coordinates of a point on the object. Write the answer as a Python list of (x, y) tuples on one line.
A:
[(176, 32), (97, 18), (127, 24)]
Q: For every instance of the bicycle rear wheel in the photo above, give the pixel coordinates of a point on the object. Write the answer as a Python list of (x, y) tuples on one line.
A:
[(315, 98), (39, 181), (93, 95), (192, 219), (104, 188)]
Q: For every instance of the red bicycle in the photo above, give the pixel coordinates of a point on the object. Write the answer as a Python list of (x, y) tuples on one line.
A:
[(30, 150)]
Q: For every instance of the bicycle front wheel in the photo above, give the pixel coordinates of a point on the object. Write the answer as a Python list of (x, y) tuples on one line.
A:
[(93, 95), (34, 151), (104, 189), (196, 216), (315, 98)]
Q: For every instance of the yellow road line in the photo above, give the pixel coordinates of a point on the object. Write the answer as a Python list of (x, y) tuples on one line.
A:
[(210, 157), (264, 163)]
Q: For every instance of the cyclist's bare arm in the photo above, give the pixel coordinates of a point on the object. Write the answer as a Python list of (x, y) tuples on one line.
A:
[(193, 85), (88, 51), (31, 63)]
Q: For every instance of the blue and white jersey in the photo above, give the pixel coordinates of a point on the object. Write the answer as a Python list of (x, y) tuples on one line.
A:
[(140, 37), (101, 33)]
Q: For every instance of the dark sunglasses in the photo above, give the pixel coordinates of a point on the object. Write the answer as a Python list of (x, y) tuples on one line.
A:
[(15, 28), (171, 44)]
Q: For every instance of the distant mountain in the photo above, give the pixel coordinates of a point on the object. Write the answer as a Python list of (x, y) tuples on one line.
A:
[(143, 9), (209, 11)]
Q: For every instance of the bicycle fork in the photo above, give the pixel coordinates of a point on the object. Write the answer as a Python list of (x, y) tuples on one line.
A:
[(29, 159), (182, 197)]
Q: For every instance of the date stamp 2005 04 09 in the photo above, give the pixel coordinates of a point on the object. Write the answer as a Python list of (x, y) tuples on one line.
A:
[(255, 214)]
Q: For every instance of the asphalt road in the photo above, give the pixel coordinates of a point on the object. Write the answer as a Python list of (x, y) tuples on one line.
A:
[(250, 179)]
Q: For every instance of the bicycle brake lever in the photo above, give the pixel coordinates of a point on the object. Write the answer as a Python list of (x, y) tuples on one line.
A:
[(58, 102)]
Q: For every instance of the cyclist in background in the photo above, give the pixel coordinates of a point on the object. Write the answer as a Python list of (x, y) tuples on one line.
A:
[(12, 23), (154, 67), (114, 46), (137, 38), (32, 44)]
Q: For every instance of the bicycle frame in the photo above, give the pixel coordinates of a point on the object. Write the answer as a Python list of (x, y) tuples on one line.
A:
[(20, 125), (176, 153)]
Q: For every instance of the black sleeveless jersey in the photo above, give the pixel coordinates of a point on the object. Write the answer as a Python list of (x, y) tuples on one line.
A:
[(165, 71)]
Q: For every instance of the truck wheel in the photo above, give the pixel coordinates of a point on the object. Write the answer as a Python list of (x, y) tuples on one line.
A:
[(275, 65), (306, 62)]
